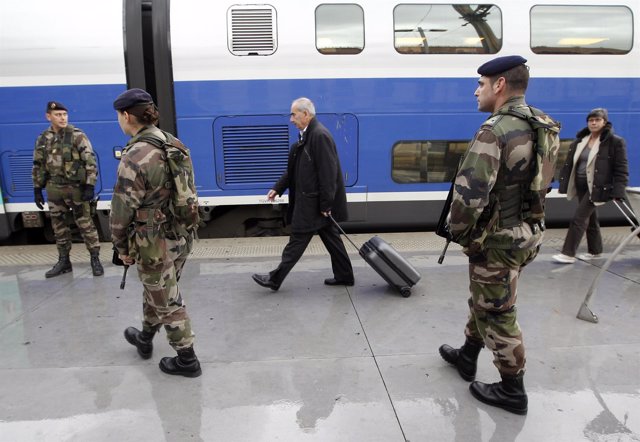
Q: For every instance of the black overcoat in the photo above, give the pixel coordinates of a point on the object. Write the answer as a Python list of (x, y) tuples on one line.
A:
[(611, 173), (315, 181)]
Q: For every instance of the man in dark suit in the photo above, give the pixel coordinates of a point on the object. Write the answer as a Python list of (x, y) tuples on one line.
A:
[(316, 190)]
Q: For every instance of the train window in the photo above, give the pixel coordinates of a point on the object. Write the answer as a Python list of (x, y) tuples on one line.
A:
[(447, 29), (251, 30), (581, 29), (426, 161), (339, 29), (436, 161)]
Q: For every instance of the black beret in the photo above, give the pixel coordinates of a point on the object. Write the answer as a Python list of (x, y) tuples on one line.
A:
[(599, 112), (55, 105), (130, 98), (500, 64)]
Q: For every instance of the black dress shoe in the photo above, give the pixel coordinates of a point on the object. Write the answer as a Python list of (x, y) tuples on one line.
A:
[(334, 281), (264, 281)]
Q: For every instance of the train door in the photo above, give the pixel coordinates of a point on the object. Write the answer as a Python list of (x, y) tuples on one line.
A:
[(147, 51)]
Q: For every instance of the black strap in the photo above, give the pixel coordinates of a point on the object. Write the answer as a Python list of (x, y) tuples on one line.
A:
[(342, 231), (67, 139)]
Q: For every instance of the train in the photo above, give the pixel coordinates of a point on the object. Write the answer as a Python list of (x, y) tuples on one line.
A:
[(393, 81)]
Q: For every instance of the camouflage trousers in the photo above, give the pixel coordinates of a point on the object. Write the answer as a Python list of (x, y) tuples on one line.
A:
[(63, 198), (162, 302), (493, 315)]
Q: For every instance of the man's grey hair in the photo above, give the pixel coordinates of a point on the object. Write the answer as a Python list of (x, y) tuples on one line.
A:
[(304, 104)]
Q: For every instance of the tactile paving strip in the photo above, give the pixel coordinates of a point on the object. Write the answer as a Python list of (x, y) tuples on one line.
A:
[(218, 248)]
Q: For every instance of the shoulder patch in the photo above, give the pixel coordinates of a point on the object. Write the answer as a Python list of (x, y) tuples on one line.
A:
[(493, 120)]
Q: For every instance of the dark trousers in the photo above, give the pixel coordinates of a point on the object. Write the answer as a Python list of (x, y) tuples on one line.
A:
[(298, 242), (585, 219)]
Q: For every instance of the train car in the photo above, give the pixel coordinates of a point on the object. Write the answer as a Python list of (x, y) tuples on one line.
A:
[(393, 81)]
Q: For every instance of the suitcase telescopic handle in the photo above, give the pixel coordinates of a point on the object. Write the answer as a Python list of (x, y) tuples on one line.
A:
[(342, 231)]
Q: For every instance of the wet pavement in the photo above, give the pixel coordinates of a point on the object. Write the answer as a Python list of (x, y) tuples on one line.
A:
[(312, 362)]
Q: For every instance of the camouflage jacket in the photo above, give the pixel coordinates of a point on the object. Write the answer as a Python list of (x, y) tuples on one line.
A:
[(142, 190), (54, 160), (499, 155)]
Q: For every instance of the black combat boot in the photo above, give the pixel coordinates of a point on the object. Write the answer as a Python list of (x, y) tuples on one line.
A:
[(96, 267), (62, 266), (464, 358), (142, 340), (185, 364), (508, 394)]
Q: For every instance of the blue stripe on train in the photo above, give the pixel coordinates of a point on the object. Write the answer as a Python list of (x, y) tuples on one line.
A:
[(387, 111)]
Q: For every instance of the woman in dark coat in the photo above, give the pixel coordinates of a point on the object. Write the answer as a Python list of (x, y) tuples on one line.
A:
[(596, 170)]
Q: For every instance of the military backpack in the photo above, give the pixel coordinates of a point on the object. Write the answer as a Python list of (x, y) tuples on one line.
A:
[(184, 198), (546, 145)]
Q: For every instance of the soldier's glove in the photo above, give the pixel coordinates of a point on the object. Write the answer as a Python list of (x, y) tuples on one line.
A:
[(87, 192), (39, 199)]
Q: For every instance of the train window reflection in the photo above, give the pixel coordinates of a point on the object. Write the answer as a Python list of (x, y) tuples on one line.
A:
[(436, 161), (447, 29), (581, 29), (426, 161), (339, 29)]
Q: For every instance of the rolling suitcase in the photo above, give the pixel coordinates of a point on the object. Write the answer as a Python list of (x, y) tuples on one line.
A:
[(385, 260)]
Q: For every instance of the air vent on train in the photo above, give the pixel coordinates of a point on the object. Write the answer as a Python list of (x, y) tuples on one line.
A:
[(17, 167), (253, 156), (251, 29)]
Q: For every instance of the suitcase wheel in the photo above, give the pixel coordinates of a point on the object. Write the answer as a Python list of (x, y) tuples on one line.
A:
[(405, 292)]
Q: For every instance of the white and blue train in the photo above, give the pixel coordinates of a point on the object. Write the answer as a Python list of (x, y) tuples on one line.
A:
[(393, 80)]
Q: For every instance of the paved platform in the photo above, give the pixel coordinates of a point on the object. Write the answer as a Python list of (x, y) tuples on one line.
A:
[(312, 362)]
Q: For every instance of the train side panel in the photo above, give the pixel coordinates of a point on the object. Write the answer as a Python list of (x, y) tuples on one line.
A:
[(232, 109)]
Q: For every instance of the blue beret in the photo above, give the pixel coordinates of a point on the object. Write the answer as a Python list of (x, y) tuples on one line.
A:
[(500, 64), (54, 106), (130, 98)]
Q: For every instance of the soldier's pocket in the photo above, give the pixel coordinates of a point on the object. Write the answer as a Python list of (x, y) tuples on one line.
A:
[(86, 209), (150, 278), (55, 164), (492, 286), (149, 245)]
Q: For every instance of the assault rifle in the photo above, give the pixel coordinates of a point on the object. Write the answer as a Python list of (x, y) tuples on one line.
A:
[(442, 229), (117, 261), (93, 206)]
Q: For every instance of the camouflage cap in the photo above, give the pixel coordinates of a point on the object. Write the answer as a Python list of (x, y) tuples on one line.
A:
[(599, 112), (500, 64), (130, 98), (55, 105)]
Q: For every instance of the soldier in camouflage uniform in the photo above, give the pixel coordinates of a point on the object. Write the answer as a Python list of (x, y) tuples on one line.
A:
[(143, 231), (488, 218), (64, 163)]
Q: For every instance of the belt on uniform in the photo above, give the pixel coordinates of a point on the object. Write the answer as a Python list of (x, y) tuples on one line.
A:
[(61, 181)]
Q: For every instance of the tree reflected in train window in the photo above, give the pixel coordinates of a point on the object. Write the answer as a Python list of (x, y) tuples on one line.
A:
[(437, 161), (426, 161), (581, 29), (339, 29), (447, 29)]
